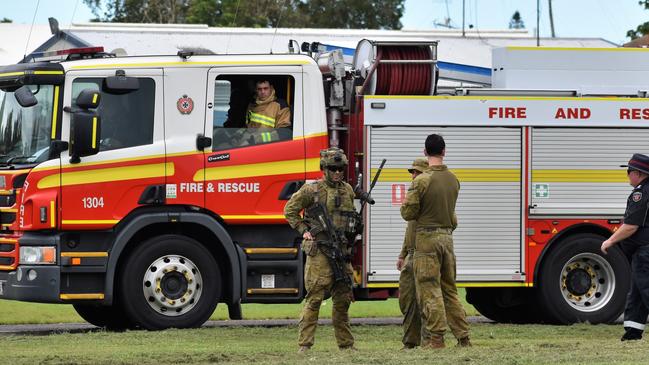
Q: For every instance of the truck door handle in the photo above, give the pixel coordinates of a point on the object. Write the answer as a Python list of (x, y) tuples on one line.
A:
[(203, 142), (290, 188)]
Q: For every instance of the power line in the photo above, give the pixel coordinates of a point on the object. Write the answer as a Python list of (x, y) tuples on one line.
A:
[(31, 28)]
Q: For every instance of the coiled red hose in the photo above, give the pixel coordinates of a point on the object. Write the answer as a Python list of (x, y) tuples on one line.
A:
[(403, 78)]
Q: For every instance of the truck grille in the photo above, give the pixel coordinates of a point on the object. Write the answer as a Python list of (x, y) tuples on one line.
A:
[(7, 200), (7, 218), (8, 252)]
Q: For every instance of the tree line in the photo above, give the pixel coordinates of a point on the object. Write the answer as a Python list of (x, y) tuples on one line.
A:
[(349, 14)]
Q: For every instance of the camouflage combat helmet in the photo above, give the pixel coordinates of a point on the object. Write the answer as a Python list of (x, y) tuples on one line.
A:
[(420, 164), (333, 156)]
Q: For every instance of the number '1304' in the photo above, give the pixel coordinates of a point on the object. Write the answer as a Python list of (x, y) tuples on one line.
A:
[(93, 202)]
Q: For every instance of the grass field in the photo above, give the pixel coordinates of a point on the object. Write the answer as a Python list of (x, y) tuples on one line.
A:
[(493, 344), (12, 312)]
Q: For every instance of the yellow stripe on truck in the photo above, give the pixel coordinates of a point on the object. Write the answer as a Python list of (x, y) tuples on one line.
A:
[(258, 169), (94, 132), (464, 175), (581, 176), (55, 112), (107, 175), (513, 175)]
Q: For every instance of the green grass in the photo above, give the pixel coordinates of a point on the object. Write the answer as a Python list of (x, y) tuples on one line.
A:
[(13, 312), (493, 344)]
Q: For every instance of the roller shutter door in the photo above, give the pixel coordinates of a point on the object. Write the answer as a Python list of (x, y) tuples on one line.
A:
[(487, 160), (575, 171)]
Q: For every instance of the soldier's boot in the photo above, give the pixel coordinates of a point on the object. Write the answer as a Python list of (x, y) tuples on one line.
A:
[(632, 334), (408, 346), (464, 342), (435, 342), (303, 349), (347, 348)]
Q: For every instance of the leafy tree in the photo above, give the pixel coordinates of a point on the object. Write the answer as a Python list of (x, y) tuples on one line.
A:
[(6, 20), (352, 14), (139, 11), (384, 14), (642, 29), (517, 21)]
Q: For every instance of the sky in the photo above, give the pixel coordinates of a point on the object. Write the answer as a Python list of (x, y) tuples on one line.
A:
[(608, 19)]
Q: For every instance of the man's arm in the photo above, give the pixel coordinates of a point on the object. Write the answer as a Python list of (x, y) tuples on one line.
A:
[(404, 248), (624, 232), (410, 206), (283, 117), (294, 206)]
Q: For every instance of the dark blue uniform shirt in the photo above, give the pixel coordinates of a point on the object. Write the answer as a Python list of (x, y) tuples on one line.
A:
[(637, 208)]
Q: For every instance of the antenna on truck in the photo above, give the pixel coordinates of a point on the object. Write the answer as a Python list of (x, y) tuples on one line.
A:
[(31, 28)]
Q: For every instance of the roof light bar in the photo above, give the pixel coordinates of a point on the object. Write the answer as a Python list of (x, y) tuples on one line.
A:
[(70, 51)]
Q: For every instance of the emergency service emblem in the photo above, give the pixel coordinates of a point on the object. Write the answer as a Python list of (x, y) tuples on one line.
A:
[(185, 105), (636, 196)]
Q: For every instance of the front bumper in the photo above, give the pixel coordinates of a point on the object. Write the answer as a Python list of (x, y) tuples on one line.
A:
[(37, 283)]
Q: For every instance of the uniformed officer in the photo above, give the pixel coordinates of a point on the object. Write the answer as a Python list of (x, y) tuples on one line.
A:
[(407, 295), (634, 237), (338, 198), (431, 202)]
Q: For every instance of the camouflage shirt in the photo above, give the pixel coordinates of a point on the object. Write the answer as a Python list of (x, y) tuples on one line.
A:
[(337, 198), (408, 239), (431, 199)]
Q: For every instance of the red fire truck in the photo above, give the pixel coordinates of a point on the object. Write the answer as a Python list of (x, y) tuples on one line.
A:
[(131, 187)]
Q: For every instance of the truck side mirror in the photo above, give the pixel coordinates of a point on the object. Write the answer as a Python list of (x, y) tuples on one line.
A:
[(120, 83), (25, 97), (85, 130)]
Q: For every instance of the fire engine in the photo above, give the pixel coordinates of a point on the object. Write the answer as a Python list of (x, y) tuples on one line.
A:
[(131, 187)]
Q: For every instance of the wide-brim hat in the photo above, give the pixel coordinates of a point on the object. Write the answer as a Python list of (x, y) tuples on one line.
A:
[(419, 164), (638, 162)]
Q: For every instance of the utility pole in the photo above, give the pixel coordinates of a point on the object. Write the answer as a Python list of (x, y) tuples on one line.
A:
[(551, 19), (538, 31), (463, 12)]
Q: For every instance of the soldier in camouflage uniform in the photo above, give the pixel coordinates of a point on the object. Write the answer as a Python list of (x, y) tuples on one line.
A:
[(407, 295), (338, 198), (431, 202)]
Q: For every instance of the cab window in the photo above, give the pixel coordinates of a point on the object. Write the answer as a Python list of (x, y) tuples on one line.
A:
[(127, 120), (252, 110)]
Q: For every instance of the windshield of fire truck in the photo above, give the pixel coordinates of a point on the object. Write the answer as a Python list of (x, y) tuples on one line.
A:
[(25, 132)]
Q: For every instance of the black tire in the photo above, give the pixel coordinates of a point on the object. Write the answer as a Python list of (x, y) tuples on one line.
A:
[(578, 283), (170, 281), (234, 311), (110, 317), (505, 305)]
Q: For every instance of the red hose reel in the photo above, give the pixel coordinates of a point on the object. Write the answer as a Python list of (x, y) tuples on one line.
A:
[(392, 68)]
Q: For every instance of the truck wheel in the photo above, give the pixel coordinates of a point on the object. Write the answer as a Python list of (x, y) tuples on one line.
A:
[(109, 317), (578, 283), (170, 281), (504, 305), (235, 312)]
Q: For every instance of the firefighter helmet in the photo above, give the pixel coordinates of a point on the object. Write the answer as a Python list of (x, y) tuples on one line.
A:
[(333, 156)]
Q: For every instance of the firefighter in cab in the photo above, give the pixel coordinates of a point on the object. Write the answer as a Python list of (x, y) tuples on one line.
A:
[(269, 114), (328, 229), (633, 237)]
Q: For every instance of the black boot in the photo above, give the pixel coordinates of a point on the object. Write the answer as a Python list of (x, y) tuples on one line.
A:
[(632, 334)]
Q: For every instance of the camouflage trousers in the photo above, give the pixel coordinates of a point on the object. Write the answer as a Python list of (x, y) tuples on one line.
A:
[(434, 268), (318, 279), (412, 330)]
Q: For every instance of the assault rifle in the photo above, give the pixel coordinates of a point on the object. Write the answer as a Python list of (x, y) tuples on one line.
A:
[(332, 248)]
